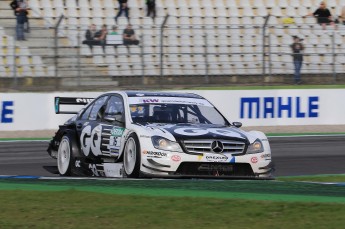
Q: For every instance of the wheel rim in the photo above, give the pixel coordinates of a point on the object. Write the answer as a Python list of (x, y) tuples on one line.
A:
[(64, 156), (130, 156)]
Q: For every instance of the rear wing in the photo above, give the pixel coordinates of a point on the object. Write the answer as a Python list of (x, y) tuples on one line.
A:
[(58, 101)]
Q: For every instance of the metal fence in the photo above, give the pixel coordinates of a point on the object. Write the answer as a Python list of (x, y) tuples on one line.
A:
[(174, 46)]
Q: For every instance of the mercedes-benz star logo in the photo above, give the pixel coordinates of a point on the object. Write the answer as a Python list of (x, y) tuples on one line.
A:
[(217, 146)]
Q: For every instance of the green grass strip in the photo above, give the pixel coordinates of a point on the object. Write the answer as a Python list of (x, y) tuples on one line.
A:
[(179, 193), (248, 190), (326, 178), (76, 209)]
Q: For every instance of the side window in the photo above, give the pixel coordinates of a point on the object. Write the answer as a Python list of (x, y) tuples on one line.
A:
[(96, 108), (192, 116), (86, 113), (114, 106)]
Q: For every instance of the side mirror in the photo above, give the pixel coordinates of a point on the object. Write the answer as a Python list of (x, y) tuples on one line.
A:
[(237, 124), (111, 117)]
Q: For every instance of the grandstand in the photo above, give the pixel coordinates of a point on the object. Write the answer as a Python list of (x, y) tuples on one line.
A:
[(200, 38)]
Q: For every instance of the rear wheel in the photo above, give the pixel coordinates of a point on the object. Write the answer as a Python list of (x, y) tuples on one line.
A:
[(65, 156), (132, 158)]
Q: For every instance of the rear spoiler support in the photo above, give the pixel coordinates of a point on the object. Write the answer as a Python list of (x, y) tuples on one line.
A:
[(70, 101)]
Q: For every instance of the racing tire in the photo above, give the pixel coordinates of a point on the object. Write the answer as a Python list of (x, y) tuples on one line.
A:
[(132, 157), (65, 158)]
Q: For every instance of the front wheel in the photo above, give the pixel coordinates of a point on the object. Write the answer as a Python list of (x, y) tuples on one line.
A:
[(132, 158), (64, 157)]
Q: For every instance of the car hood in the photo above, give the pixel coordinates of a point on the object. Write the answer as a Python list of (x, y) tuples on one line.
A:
[(198, 131)]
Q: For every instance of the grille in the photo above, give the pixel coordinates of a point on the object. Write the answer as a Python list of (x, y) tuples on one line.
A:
[(204, 146), (214, 169)]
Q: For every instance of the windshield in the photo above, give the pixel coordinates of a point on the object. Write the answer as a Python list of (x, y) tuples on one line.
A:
[(152, 111)]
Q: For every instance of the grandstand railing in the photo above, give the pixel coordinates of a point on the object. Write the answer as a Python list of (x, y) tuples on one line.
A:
[(184, 45)]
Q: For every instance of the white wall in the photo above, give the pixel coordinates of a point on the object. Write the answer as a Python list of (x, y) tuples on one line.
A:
[(35, 111)]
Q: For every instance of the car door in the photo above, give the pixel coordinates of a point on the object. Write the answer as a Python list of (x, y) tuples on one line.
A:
[(89, 127), (113, 126)]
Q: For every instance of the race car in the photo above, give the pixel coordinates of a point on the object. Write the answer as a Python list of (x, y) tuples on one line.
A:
[(156, 134)]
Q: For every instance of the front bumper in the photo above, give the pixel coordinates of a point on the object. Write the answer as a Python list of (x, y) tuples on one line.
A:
[(210, 170)]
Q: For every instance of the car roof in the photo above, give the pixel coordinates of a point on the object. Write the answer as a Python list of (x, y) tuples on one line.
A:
[(162, 94)]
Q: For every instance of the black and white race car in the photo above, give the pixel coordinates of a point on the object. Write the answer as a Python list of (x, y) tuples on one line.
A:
[(156, 134)]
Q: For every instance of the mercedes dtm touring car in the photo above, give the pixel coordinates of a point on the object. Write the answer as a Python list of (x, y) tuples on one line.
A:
[(156, 134)]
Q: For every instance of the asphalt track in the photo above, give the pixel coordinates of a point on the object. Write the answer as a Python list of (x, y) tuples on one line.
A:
[(308, 155)]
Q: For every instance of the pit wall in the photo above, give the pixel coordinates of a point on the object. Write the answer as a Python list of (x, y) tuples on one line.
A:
[(35, 111)]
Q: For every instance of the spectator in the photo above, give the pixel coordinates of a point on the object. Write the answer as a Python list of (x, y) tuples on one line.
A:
[(323, 15), (21, 11), (342, 15), (114, 30), (297, 50), (123, 7), (92, 36), (102, 36), (151, 8), (129, 37), (14, 5)]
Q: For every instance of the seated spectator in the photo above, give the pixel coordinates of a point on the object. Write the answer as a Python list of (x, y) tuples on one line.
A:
[(323, 15), (114, 30), (91, 36), (114, 38), (129, 37), (102, 36), (342, 15)]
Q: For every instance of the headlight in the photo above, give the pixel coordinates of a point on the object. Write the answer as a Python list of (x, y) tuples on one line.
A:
[(255, 147), (165, 144)]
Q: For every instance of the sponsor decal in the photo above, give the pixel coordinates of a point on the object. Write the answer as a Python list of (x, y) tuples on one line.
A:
[(137, 109), (6, 111), (91, 140), (117, 131), (57, 100), (175, 158), (169, 100), (83, 100), (150, 100), (94, 170), (216, 158), (156, 154), (113, 170), (114, 143), (145, 136), (191, 131), (77, 164), (266, 155), (254, 160), (114, 151), (279, 107), (216, 168)]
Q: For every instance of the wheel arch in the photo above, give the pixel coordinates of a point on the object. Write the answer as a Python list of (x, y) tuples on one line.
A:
[(122, 150), (137, 167), (73, 136)]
